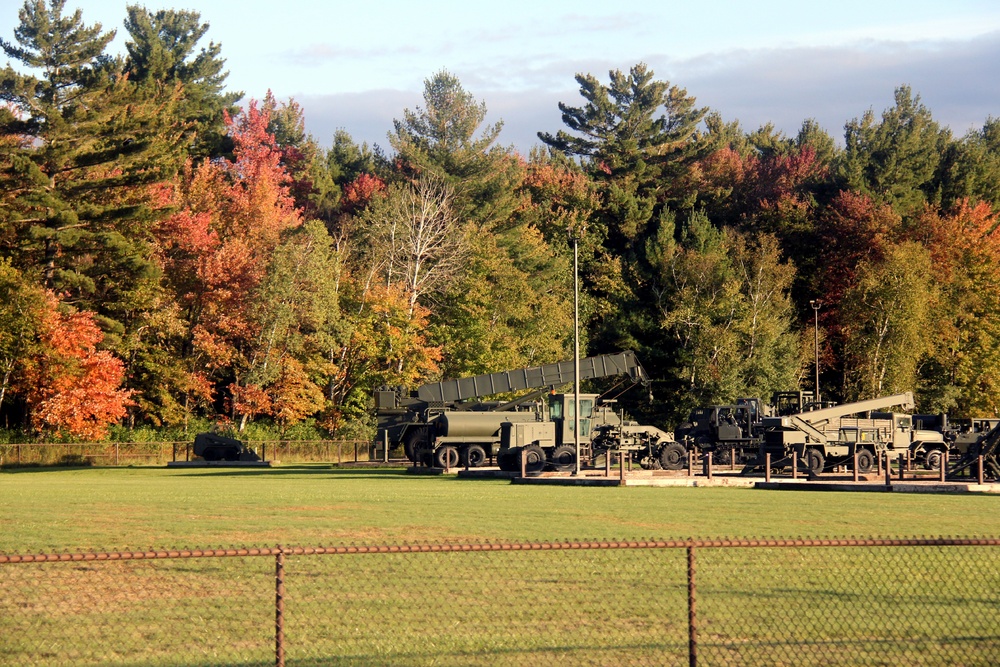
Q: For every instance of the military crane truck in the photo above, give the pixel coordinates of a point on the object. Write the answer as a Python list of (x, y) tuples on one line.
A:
[(445, 424), (832, 436)]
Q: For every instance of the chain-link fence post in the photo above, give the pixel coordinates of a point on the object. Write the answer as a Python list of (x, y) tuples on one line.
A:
[(279, 608), (692, 611)]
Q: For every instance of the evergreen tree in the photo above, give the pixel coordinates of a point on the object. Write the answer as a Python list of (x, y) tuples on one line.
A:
[(84, 153), (447, 139), (161, 51), (638, 139), (971, 168), (896, 160)]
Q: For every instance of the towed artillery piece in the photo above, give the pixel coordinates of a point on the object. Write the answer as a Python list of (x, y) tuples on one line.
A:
[(214, 447)]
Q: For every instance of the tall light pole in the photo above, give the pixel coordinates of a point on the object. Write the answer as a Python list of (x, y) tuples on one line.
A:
[(816, 305), (576, 350)]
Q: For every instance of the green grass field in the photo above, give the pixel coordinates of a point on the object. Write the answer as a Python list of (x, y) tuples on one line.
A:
[(764, 606), (138, 508)]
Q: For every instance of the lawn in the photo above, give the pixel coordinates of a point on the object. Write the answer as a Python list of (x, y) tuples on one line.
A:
[(138, 508), (925, 606)]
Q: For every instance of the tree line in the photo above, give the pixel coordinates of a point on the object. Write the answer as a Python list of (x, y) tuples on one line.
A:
[(169, 254)]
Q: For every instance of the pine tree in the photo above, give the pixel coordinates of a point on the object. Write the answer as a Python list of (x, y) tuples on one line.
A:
[(161, 52), (638, 139), (81, 148), (896, 160)]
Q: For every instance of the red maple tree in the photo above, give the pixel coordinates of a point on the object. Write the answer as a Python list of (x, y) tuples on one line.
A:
[(71, 387)]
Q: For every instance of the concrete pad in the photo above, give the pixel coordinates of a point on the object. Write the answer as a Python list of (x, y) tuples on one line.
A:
[(221, 464)]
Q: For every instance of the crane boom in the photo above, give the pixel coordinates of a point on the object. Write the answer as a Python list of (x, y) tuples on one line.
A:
[(537, 377)]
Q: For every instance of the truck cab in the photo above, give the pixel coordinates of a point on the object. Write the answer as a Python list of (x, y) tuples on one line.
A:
[(550, 439)]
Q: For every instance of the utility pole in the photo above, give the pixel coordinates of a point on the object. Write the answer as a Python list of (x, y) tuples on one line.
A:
[(576, 352), (816, 305)]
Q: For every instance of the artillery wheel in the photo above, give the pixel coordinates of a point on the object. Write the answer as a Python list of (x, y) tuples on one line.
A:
[(673, 456), (563, 458), (866, 460), (932, 460), (446, 457), (534, 459), (813, 460), (474, 456)]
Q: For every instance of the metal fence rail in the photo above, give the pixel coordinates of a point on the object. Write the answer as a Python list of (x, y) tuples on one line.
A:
[(919, 601)]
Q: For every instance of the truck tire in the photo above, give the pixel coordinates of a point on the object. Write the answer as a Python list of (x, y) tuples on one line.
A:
[(446, 457), (563, 458), (413, 443), (866, 460), (509, 460), (814, 461), (932, 459), (474, 456), (673, 456), (534, 460)]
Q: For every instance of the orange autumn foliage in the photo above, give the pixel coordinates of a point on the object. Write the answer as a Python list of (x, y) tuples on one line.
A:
[(71, 387)]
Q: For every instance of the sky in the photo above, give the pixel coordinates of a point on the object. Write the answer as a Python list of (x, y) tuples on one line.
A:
[(356, 65)]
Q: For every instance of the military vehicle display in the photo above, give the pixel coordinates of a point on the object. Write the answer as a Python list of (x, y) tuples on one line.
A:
[(214, 447), (987, 446), (832, 436), (733, 433), (549, 441), (444, 424), (959, 435)]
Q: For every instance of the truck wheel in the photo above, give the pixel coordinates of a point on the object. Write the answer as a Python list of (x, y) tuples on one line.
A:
[(673, 456), (509, 459), (866, 461), (563, 458), (813, 460), (534, 459), (446, 457), (473, 456), (414, 440), (932, 460)]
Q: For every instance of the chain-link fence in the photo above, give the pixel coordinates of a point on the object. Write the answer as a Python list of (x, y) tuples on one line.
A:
[(160, 452), (774, 602)]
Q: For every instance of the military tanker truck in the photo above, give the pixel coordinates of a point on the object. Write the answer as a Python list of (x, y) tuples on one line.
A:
[(445, 424), (833, 436)]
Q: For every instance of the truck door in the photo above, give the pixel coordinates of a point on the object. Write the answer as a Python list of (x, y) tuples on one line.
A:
[(903, 432), (586, 416)]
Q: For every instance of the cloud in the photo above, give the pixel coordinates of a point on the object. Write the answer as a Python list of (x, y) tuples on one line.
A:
[(784, 86), (954, 80), (315, 55), (366, 116)]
